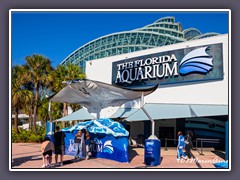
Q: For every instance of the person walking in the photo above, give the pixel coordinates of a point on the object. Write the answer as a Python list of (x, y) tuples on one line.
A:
[(47, 149), (180, 146), (189, 144), (59, 145), (77, 143), (84, 144)]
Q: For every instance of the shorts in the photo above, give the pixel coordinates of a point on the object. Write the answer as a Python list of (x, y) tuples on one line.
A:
[(47, 153), (60, 149)]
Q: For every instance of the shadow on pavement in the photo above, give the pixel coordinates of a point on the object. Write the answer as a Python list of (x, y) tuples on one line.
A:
[(146, 166), (132, 154), (21, 160), (69, 162), (196, 161), (219, 154), (65, 162)]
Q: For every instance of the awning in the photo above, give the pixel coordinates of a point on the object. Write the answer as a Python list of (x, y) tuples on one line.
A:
[(81, 114), (170, 111), (124, 112)]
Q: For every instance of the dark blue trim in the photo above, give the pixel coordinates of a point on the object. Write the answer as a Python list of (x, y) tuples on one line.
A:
[(170, 83)]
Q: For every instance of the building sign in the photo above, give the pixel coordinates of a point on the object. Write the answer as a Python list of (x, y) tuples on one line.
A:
[(177, 66)]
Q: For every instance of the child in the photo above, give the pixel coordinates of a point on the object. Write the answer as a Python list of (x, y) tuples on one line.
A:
[(47, 149), (180, 146), (84, 144), (47, 163), (77, 142)]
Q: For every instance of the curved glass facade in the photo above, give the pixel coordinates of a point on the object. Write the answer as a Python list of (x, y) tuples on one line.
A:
[(162, 32)]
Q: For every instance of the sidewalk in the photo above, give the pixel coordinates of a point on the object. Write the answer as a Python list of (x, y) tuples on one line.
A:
[(28, 155)]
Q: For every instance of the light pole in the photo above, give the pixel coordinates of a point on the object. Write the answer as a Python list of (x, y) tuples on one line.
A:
[(49, 108), (50, 125)]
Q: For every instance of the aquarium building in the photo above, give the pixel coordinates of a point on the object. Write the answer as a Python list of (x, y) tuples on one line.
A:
[(191, 68)]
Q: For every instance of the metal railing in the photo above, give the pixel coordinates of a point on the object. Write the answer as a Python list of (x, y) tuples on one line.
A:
[(166, 140), (202, 140)]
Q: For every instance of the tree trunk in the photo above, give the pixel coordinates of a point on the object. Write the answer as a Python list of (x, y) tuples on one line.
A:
[(31, 114), (64, 113), (45, 123), (16, 121), (29, 122), (34, 117), (30, 119), (35, 108)]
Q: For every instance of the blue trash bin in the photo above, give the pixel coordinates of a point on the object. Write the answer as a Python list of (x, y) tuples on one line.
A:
[(152, 152)]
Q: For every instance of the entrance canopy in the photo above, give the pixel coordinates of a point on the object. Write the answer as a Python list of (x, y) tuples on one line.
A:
[(124, 112), (80, 114), (95, 95), (170, 111)]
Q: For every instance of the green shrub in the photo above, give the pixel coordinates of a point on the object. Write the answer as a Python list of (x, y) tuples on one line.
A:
[(35, 138), (28, 136)]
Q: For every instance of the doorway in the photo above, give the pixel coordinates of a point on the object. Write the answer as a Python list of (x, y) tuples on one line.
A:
[(166, 132)]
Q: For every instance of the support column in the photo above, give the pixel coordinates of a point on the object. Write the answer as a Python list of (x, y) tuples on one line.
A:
[(226, 141)]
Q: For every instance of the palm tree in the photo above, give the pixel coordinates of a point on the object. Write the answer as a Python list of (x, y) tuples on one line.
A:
[(43, 110), (38, 68), (75, 107), (17, 93), (56, 110), (72, 72), (65, 73), (28, 106)]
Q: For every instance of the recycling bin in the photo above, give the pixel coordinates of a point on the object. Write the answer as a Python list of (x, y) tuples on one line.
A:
[(152, 152)]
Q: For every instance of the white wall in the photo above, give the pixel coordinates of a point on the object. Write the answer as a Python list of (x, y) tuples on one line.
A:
[(209, 92)]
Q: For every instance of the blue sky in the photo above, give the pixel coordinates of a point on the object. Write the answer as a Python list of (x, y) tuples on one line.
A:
[(57, 34)]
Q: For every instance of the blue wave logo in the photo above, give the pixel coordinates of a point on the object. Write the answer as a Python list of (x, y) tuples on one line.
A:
[(107, 147), (196, 61)]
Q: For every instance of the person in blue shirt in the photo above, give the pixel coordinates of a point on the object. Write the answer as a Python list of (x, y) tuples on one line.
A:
[(180, 146)]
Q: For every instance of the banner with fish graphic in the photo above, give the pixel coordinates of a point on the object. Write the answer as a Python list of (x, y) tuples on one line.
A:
[(108, 139), (192, 64), (109, 147)]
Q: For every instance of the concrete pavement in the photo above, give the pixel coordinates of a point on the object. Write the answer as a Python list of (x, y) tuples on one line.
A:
[(28, 156)]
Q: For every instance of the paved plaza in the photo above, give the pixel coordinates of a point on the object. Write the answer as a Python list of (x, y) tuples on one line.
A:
[(28, 155)]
